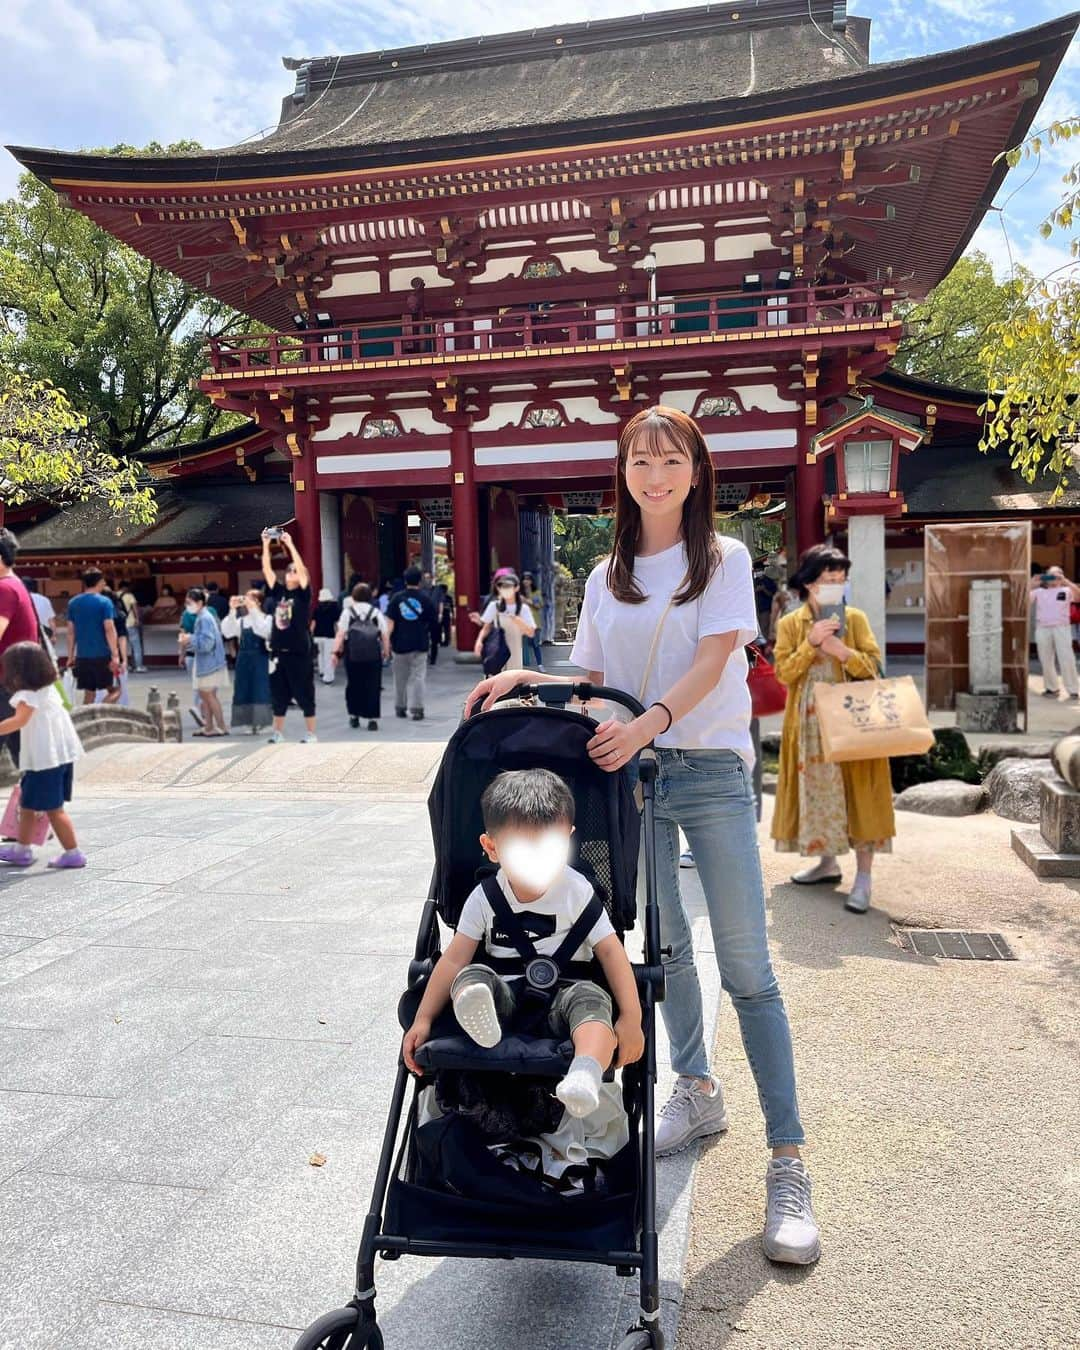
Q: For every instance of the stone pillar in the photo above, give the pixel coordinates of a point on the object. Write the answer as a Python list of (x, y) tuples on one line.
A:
[(866, 549), (466, 533), (330, 526)]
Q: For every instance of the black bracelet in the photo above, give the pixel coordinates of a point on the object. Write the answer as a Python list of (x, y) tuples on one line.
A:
[(656, 703)]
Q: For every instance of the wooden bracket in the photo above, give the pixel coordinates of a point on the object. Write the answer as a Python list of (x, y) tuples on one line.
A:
[(624, 382), (446, 389)]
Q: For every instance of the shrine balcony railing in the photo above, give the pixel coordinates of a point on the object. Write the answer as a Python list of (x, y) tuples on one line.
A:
[(557, 330)]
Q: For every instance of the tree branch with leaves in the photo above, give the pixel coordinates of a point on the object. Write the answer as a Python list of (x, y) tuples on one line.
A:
[(48, 453)]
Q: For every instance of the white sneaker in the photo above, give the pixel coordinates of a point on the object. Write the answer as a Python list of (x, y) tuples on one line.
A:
[(309, 739), (687, 859), (689, 1113), (275, 738), (791, 1231)]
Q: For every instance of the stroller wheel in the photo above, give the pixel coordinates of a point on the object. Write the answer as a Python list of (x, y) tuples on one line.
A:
[(637, 1340), (341, 1329)]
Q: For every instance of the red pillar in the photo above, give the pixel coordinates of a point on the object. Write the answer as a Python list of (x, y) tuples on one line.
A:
[(809, 491), (308, 523), (466, 533)]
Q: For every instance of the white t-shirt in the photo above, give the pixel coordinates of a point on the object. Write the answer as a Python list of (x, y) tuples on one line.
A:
[(1051, 612), (547, 920), (44, 607), (49, 739), (514, 635), (615, 639)]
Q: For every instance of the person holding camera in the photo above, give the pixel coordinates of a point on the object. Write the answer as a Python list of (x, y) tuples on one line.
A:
[(247, 623), (292, 675), (1050, 601)]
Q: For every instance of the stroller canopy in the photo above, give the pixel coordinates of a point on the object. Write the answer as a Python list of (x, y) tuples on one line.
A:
[(607, 824)]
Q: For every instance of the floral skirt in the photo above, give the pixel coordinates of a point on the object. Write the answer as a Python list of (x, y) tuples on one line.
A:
[(823, 813)]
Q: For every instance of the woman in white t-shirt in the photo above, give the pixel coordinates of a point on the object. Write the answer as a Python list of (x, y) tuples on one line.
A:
[(509, 612), (666, 618)]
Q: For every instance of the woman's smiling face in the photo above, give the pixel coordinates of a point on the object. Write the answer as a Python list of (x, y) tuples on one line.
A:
[(659, 476)]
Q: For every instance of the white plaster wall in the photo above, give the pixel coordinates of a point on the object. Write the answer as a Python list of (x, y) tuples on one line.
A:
[(731, 246), (352, 283), (503, 415), (683, 399), (764, 398), (587, 410), (677, 252), (400, 277), (585, 260)]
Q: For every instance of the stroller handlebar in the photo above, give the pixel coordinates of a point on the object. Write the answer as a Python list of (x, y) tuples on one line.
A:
[(559, 695)]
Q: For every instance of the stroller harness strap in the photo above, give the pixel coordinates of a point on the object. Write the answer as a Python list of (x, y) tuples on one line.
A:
[(542, 973)]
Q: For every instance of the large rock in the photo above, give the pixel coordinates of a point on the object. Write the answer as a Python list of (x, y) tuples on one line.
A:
[(946, 797), (1013, 788), (993, 752)]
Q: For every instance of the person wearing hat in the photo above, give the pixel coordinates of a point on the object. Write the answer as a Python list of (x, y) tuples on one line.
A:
[(508, 611), (324, 623)]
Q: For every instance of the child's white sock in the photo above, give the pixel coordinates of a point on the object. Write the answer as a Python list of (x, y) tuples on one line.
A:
[(474, 1008), (579, 1091)]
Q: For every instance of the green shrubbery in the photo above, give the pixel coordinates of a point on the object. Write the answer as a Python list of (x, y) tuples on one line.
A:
[(949, 757)]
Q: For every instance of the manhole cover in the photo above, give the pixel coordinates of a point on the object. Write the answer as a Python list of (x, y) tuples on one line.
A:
[(954, 945)]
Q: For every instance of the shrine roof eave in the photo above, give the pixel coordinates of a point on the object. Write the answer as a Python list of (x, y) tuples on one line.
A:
[(1045, 45)]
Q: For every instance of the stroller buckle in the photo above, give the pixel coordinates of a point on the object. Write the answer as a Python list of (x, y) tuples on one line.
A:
[(542, 974)]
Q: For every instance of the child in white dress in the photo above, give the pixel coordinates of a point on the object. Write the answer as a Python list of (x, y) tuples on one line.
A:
[(50, 746)]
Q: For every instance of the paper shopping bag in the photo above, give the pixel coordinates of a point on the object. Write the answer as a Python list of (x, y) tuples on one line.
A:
[(9, 822), (871, 719)]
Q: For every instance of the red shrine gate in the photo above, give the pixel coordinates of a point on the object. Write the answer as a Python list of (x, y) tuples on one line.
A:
[(478, 259)]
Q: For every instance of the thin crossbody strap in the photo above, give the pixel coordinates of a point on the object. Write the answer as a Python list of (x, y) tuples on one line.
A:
[(654, 645)]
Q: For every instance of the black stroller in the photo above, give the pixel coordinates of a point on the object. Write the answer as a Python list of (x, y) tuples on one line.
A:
[(415, 1210)]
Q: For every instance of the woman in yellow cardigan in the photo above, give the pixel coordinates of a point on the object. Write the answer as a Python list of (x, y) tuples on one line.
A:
[(823, 809)]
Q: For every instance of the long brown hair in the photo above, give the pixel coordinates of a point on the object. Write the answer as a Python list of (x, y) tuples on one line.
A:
[(656, 430)]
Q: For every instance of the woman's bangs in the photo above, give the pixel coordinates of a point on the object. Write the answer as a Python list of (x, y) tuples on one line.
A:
[(656, 437)]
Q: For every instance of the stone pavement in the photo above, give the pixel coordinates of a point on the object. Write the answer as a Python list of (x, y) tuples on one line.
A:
[(182, 1028)]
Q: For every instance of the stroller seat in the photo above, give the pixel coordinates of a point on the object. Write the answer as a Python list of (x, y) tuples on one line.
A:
[(517, 1052)]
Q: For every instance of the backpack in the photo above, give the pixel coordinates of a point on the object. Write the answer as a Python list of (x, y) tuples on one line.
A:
[(364, 640)]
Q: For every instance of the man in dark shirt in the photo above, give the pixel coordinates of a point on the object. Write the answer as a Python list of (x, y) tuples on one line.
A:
[(216, 601), (412, 619), (291, 672), (18, 623)]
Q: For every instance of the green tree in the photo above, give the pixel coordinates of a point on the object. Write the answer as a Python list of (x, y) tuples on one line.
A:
[(123, 338), (945, 333), (1031, 357), (581, 541), (48, 453)]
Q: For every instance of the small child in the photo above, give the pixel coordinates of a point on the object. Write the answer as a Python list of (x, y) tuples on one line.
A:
[(528, 821), (50, 747)]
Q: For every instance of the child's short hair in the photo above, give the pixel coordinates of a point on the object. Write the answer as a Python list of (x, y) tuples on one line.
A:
[(532, 797), (27, 665)]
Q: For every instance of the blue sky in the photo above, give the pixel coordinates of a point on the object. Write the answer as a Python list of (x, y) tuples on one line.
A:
[(82, 73)]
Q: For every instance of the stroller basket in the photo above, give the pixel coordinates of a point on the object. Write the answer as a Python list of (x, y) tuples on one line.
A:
[(449, 1184)]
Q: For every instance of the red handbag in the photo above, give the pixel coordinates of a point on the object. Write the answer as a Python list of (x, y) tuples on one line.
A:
[(767, 694)]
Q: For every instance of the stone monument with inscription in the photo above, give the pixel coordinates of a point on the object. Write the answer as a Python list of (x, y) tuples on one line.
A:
[(989, 706)]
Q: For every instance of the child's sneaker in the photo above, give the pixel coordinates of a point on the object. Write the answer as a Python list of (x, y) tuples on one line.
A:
[(474, 1008), (18, 855), (72, 857)]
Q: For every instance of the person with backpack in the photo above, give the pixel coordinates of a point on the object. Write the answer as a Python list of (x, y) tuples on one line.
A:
[(411, 617), (363, 637)]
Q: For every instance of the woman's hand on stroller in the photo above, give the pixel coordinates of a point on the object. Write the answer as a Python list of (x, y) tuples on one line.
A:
[(630, 1039), (495, 686), (415, 1037), (616, 743)]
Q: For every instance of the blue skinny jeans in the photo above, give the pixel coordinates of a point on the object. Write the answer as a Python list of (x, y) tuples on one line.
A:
[(708, 793)]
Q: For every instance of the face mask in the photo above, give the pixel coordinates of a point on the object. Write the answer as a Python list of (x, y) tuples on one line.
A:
[(536, 860), (192, 607), (830, 593)]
